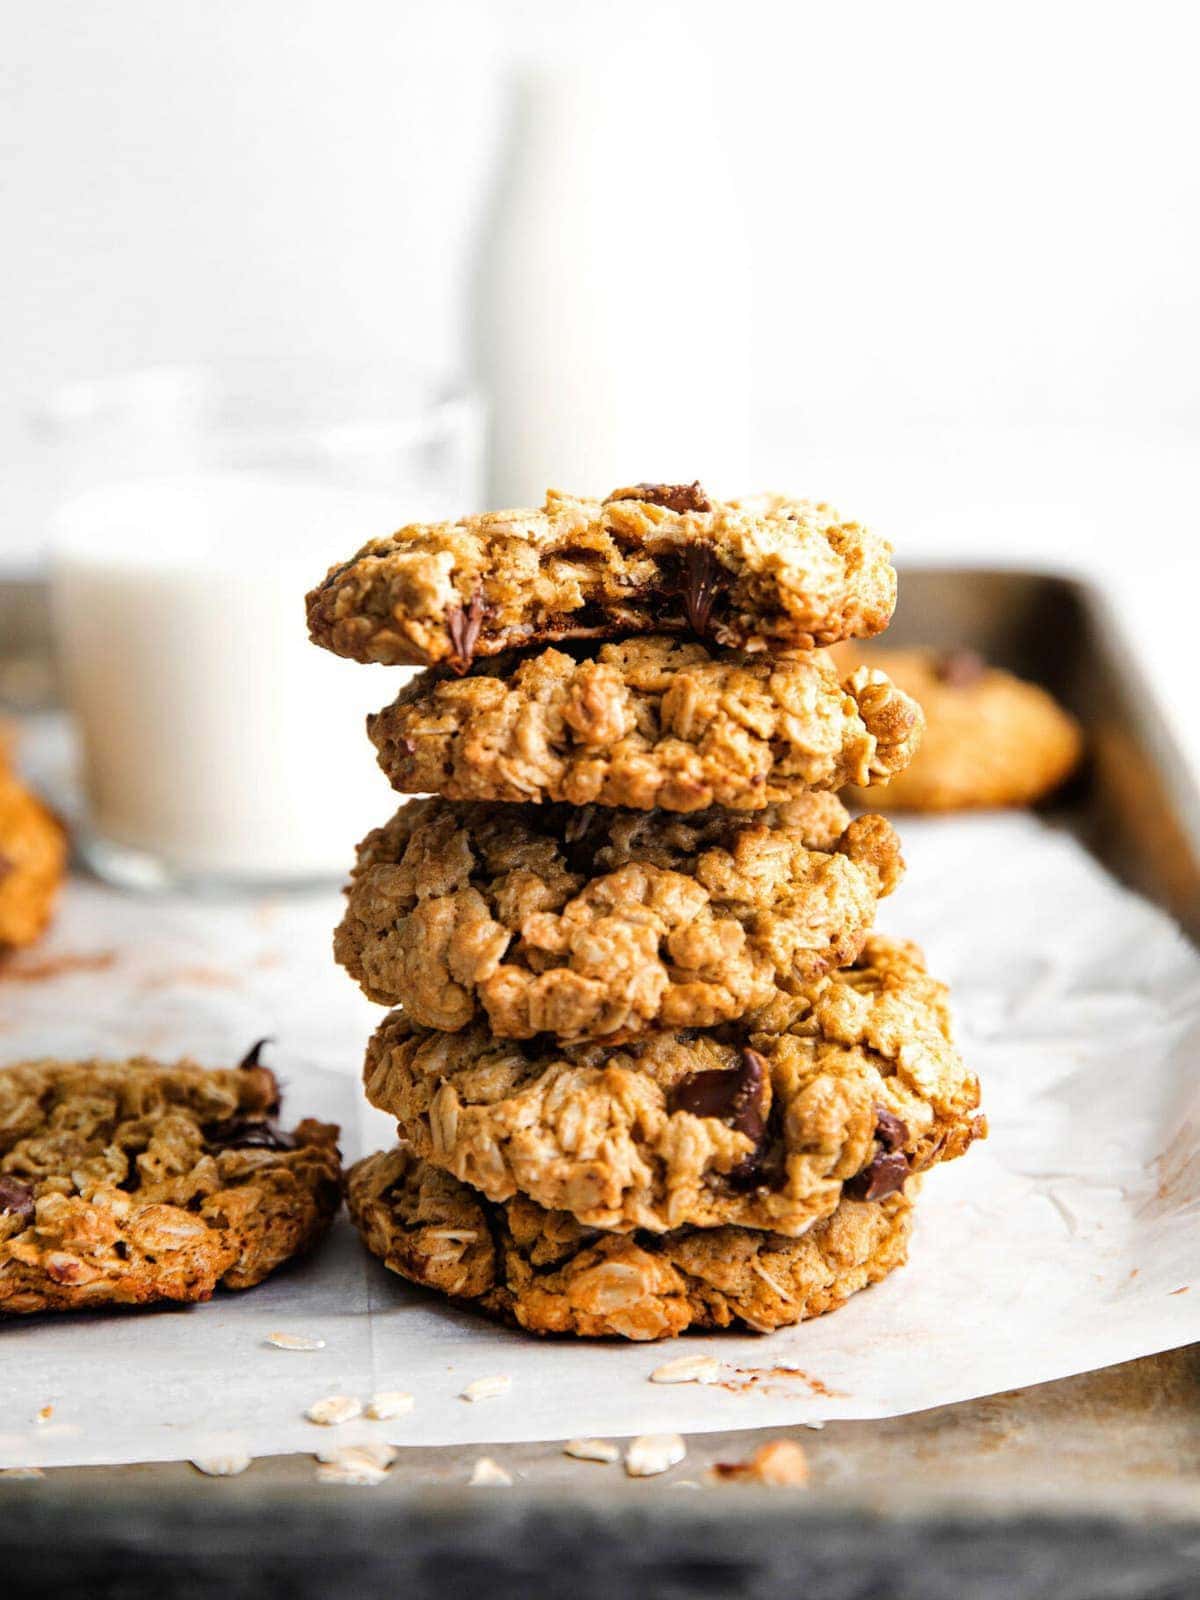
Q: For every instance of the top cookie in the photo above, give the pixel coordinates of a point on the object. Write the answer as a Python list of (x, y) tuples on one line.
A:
[(757, 574), (127, 1182), (991, 739)]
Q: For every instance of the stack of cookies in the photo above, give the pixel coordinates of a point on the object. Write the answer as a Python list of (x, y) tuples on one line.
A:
[(650, 1067)]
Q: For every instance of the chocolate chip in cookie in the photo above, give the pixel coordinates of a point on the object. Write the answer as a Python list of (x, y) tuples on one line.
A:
[(253, 1056), (701, 578), (680, 497), (888, 1171), (247, 1133), (738, 1098), (16, 1198), (464, 626)]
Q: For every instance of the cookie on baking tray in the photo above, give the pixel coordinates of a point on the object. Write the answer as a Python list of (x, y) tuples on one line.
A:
[(124, 1182), (33, 858), (991, 739), (843, 1089), (761, 574), (648, 722), (545, 1272), (606, 924)]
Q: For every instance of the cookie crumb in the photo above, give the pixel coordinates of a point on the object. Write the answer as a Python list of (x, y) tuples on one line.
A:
[(45, 1414), (229, 1464), (355, 1466), (487, 1472), (591, 1450), (688, 1369), (488, 1388), (389, 1403), (295, 1341), (779, 1462), (334, 1408), (652, 1453), (375, 1452)]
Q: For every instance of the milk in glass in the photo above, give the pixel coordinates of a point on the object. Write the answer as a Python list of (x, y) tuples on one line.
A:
[(217, 742)]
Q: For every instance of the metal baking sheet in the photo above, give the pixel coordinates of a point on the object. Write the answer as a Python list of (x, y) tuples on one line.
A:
[(1086, 1487)]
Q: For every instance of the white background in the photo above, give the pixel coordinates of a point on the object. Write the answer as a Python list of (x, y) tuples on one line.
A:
[(973, 232)]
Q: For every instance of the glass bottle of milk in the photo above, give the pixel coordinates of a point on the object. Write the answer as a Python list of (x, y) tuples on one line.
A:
[(613, 295)]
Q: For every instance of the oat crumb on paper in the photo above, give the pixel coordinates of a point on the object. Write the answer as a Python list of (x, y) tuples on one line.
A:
[(354, 1466), (389, 1404), (45, 1414), (228, 1464), (334, 1408), (295, 1341), (488, 1388), (374, 1452), (652, 1453), (688, 1369), (591, 1450)]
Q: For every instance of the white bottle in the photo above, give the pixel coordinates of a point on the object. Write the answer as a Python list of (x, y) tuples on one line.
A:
[(613, 307)]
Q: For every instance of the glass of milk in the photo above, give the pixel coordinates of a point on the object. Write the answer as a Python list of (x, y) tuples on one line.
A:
[(219, 748)]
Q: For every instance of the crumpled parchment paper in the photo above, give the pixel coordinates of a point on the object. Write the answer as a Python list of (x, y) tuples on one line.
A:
[(1067, 1241)]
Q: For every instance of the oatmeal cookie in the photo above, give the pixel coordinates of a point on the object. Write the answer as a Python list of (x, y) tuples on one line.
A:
[(991, 739), (607, 924), (123, 1182), (543, 1271), (760, 574), (646, 723), (33, 855), (858, 1085)]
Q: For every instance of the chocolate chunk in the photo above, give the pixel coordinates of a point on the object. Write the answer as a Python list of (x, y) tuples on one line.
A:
[(247, 1133), (673, 496), (16, 1197), (890, 1130), (701, 577), (960, 668), (887, 1172), (254, 1054), (884, 1176), (464, 628), (7, 865), (260, 1087), (737, 1097)]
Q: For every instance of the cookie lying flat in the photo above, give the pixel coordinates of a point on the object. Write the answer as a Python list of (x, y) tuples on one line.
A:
[(128, 1182), (647, 723), (33, 855), (758, 574), (542, 1271), (758, 1129), (607, 924), (991, 739)]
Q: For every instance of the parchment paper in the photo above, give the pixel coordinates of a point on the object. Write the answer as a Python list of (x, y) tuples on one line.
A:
[(1067, 1241)]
